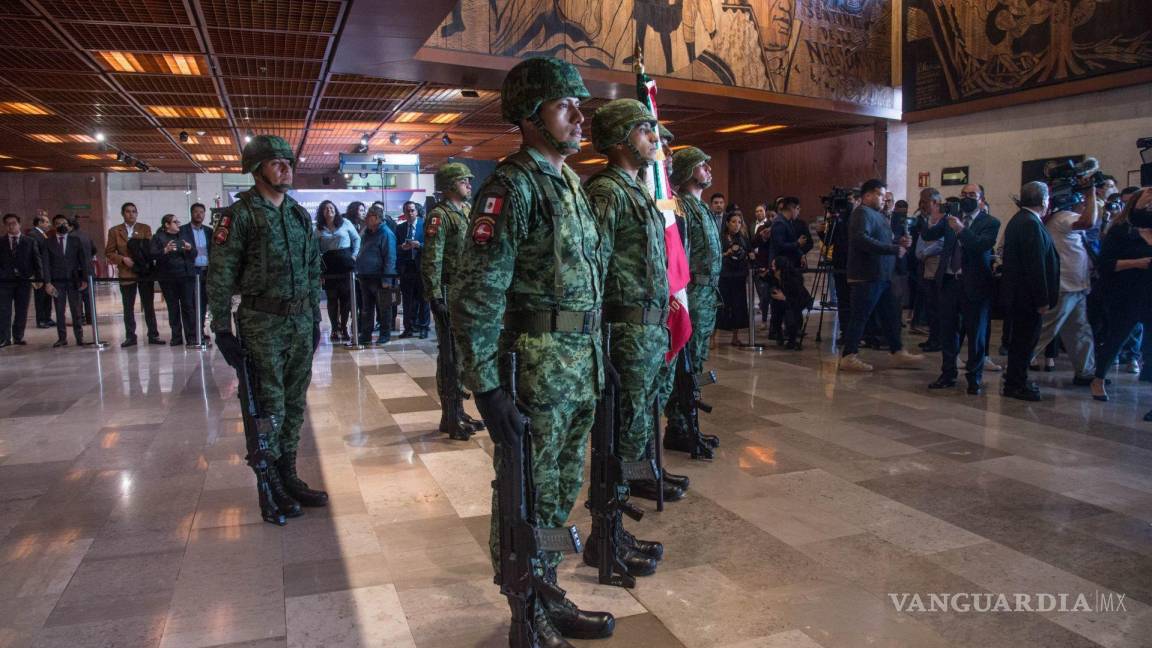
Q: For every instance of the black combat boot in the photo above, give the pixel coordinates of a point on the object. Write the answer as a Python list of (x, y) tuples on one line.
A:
[(650, 548), (679, 441), (287, 505), (649, 489), (574, 623), (635, 563), (680, 481), (474, 423), (547, 636), (286, 467), (456, 430)]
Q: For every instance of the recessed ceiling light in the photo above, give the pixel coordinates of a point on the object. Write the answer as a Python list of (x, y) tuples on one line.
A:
[(22, 108), (122, 61), (766, 129), (737, 128)]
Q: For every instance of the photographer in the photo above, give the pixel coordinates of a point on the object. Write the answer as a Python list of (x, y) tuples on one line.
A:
[(1125, 262), (872, 255), (1069, 319), (1030, 286), (963, 282), (734, 277)]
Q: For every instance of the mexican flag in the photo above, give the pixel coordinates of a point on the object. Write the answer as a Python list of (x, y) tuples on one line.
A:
[(679, 324)]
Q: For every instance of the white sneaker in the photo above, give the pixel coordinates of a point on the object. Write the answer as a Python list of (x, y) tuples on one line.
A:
[(990, 365), (854, 363), (904, 359)]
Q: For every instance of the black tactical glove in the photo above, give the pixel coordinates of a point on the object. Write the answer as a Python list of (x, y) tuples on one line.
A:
[(440, 307), (315, 336), (505, 422), (229, 347)]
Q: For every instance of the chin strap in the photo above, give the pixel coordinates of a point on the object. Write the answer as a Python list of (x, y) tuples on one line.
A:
[(560, 146)]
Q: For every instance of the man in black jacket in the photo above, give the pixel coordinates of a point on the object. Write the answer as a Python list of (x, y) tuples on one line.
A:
[(963, 283), (872, 255), (1030, 285), (20, 269), (199, 235), (66, 267), (40, 298), (409, 247)]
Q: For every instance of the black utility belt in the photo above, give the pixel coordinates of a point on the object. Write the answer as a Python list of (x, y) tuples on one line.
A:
[(636, 315), (275, 306), (553, 321), (705, 280)]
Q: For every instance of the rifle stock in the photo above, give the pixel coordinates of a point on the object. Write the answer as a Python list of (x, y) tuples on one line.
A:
[(257, 430), (520, 539)]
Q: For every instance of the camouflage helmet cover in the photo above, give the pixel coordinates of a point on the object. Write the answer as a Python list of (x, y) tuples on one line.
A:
[(684, 162), (536, 80), (447, 175), (263, 148), (666, 134), (614, 121)]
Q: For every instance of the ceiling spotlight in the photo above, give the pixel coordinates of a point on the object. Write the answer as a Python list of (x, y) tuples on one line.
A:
[(201, 133), (364, 140), (363, 148), (247, 137), (303, 158), (394, 138), (347, 176), (100, 136), (183, 136), (468, 148), (446, 140)]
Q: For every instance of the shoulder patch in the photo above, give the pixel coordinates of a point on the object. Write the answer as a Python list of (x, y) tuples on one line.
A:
[(223, 229), (433, 226), (488, 207), (483, 229)]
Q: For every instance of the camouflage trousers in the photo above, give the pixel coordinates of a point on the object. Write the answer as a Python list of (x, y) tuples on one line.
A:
[(703, 303), (637, 353), (281, 352), (557, 389)]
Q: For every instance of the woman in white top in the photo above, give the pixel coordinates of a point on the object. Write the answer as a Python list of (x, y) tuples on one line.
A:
[(339, 245)]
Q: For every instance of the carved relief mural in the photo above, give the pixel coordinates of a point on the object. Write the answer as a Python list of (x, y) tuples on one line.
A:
[(828, 49), (958, 50)]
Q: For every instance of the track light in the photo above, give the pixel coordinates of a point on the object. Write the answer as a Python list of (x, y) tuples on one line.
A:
[(120, 157), (100, 137), (394, 138), (247, 137), (363, 148), (183, 137), (446, 140), (364, 140)]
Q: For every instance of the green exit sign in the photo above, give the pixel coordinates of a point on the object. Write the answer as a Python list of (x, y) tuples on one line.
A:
[(77, 207)]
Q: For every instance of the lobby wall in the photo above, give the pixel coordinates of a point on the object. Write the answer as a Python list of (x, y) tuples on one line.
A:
[(993, 144), (71, 194)]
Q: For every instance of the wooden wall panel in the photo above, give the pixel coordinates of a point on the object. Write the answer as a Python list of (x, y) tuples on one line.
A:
[(806, 170), (71, 194)]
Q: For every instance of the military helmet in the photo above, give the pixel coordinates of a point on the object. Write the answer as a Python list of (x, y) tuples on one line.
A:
[(536, 80), (684, 162), (613, 121), (666, 135), (447, 175), (263, 148)]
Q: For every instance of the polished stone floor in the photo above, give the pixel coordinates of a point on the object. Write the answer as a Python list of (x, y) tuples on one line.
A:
[(128, 518)]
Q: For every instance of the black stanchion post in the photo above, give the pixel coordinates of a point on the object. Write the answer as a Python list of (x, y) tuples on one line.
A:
[(199, 345), (96, 342), (751, 290), (354, 343)]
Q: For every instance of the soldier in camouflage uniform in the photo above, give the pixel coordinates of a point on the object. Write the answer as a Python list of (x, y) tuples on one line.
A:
[(265, 249), (530, 280), (691, 175), (444, 236)]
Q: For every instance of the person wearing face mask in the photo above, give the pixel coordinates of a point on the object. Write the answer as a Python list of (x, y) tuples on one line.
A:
[(175, 252), (65, 266), (1030, 286), (1069, 319), (963, 284), (1126, 280)]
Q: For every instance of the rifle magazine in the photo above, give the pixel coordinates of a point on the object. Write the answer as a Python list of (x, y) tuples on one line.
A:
[(636, 470), (563, 539)]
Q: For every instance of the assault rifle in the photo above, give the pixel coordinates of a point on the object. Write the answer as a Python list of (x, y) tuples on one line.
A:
[(521, 540), (686, 391), (452, 410), (606, 499), (257, 429)]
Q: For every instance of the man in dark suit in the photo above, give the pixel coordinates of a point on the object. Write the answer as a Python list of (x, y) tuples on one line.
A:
[(409, 245), (199, 235), (19, 269), (41, 299), (1030, 285), (66, 268), (90, 257), (963, 282)]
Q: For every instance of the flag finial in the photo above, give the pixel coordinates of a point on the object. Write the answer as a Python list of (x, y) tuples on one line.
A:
[(638, 59)]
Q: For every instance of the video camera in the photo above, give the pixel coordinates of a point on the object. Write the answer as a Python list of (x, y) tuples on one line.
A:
[(1069, 182), (838, 202)]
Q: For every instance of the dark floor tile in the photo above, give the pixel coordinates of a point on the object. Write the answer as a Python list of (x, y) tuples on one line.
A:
[(410, 404), (109, 608), (131, 632), (319, 576), (964, 451), (42, 408), (637, 631), (887, 426), (376, 370)]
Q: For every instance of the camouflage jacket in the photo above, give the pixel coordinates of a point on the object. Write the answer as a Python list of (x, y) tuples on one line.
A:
[(527, 252), (444, 235), (702, 240), (636, 272), (263, 251)]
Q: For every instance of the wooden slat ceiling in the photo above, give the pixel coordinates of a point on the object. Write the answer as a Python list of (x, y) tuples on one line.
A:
[(144, 72)]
